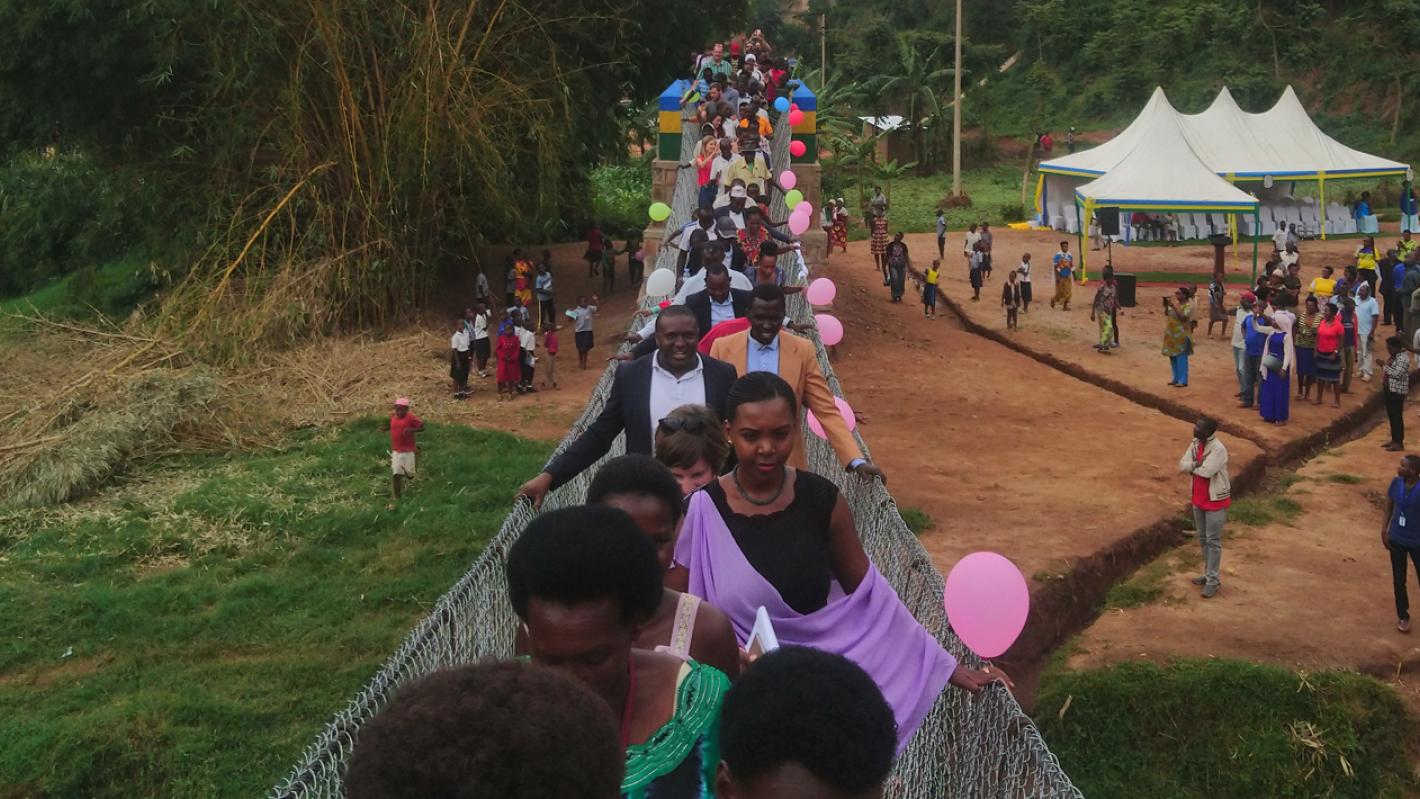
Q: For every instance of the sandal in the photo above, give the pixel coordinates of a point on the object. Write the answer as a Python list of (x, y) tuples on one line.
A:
[(1403, 625)]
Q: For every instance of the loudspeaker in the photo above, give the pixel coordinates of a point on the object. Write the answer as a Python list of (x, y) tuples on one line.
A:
[(1109, 220)]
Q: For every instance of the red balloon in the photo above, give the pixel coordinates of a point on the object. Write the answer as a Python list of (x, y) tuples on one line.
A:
[(797, 148)]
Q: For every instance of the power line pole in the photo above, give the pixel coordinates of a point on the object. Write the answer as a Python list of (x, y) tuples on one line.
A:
[(823, 48), (956, 113)]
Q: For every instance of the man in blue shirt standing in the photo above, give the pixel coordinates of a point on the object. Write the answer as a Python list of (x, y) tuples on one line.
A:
[(1255, 334), (1400, 532)]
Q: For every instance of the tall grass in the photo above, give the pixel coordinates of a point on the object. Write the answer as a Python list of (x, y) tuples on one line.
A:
[(401, 134)]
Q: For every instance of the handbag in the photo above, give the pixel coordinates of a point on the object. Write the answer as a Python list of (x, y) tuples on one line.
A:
[(1272, 363)]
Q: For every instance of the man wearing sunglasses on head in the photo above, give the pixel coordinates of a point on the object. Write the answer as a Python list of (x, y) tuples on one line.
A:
[(643, 393)]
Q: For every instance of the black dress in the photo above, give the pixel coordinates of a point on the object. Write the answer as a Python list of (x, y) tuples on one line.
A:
[(789, 548)]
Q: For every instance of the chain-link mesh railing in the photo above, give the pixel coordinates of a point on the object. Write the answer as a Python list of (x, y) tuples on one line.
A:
[(982, 746)]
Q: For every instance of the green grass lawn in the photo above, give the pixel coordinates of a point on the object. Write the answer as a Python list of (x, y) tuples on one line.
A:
[(1226, 728), (188, 632)]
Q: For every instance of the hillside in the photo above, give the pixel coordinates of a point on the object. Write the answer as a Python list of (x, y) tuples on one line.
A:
[(1092, 63)]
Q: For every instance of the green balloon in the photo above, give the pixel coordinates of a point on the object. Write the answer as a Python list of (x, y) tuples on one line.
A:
[(660, 212), (793, 197)]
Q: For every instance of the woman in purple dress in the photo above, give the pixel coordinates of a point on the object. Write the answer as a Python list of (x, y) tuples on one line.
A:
[(768, 535), (1274, 398)]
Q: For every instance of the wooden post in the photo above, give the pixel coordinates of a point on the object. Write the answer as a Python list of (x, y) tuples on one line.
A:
[(956, 112)]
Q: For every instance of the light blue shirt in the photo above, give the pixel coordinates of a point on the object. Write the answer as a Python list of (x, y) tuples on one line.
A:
[(765, 358), (1366, 312), (762, 357)]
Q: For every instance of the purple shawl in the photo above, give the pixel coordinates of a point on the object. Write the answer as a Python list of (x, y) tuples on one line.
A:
[(870, 626)]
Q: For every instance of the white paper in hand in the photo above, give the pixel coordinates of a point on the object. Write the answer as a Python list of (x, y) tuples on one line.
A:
[(762, 638)]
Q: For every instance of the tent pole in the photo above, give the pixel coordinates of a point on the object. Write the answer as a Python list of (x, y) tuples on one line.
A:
[(1404, 204), (1256, 226), (1040, 199), (1089, 212), (1321, 179), (1081, 232), (1233, 232)]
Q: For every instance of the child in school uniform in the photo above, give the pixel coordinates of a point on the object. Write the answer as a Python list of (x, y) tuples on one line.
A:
[(976, 263), (929, 290), (582, 327), (1024, 271), (1012, 299), (459, 358)]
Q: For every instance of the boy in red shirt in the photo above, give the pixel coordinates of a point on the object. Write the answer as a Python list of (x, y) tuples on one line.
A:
[(402, 426)]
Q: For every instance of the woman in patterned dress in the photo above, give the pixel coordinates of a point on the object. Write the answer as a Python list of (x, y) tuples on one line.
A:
[(838, 227), (877, 245), (1178, 333)]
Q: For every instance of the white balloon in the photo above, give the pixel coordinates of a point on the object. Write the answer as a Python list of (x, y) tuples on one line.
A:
[(660, 283)]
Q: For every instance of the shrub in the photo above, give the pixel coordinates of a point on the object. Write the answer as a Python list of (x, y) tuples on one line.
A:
[(61, 213)]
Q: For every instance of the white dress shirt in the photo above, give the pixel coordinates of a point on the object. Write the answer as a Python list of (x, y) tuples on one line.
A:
[(696, 282), (669, 392)]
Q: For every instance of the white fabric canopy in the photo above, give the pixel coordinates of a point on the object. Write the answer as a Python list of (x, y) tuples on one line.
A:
[(1158, 168), (1282, 142)]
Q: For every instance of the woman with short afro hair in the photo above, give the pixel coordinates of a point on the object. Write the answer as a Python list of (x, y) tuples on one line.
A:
[(585, 581)]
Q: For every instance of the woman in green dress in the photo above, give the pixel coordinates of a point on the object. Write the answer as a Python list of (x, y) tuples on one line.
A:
[(1178, 333), (584, 581)]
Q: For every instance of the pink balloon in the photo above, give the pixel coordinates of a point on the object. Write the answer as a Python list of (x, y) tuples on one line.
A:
[(797, 148), (806, 208), (987, 602), (796, 117), (788, 180), (821, 292), (830, 330), (798, 223), (844, 409)]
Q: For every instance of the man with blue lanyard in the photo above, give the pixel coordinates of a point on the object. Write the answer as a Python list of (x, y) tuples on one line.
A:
[(1400, 532)]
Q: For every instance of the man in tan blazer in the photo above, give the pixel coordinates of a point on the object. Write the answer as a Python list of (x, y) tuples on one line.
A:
[(764, 347)]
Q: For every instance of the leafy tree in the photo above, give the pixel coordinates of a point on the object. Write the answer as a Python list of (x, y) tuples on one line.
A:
[(913, 83)]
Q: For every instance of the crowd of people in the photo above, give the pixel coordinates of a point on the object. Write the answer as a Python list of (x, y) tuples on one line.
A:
[(643, 610), (1328, 333)]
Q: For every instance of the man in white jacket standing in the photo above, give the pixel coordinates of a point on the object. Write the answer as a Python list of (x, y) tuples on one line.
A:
[(1207, 462)]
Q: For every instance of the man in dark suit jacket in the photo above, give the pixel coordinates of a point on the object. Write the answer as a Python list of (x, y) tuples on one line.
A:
[(717, 292), (643, 392)]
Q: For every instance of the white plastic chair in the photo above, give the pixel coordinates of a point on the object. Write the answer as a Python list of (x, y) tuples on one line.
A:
[(1186, 228), (1072, 219), (1055, 216)]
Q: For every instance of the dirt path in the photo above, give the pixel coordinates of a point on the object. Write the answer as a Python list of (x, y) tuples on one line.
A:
[(1068, 466)]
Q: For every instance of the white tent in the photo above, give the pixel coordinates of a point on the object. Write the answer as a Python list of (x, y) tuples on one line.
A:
[(1282, 143), (1160, 171)]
